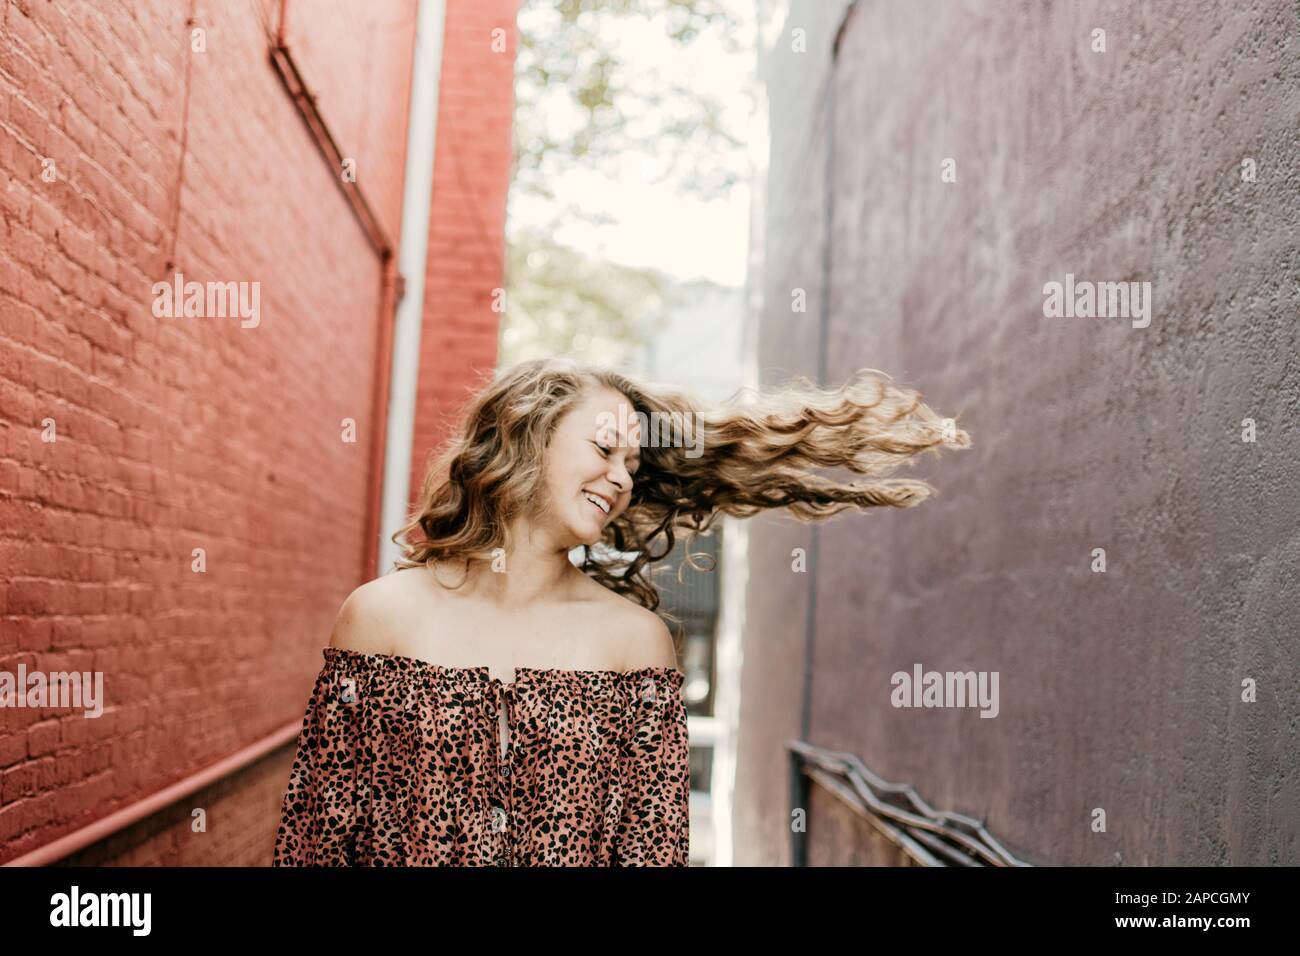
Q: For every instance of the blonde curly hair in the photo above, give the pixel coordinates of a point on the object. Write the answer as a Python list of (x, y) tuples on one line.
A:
[(752, 457)]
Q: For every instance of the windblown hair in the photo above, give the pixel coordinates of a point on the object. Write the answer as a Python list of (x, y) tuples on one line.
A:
[(756, 456)]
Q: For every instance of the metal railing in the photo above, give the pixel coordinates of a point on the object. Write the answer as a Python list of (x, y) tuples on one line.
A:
[(928, 836)]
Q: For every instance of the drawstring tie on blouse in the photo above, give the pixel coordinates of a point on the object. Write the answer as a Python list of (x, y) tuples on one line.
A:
[(497, 702), (497, 707)]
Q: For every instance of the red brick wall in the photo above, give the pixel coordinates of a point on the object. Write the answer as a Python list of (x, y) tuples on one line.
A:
[(467, 233), (174, 433), (367, 114)]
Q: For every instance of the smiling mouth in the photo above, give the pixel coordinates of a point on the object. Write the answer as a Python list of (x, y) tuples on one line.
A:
[(597, 502)]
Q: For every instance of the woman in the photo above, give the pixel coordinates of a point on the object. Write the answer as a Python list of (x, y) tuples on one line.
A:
[(491, 701)]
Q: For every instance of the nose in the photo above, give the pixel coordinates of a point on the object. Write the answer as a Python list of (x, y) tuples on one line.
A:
[(614, 477)]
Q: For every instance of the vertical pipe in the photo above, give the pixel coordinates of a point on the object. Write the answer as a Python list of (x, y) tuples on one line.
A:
[(389, 294), (800, 792), (413, 248)]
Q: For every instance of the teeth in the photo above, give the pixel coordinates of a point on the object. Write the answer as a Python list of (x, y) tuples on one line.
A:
[(598, 502)]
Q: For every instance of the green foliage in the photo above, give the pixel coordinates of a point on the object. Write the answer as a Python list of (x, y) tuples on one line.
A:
[(568, 66), (582, 103), (561, 302)]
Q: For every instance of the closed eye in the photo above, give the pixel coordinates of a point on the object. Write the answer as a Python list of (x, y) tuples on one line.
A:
[(606, 451)]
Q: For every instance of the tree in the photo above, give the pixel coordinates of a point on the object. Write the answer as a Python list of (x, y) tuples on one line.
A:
[(578, 100), (561, 301), (587, 96)]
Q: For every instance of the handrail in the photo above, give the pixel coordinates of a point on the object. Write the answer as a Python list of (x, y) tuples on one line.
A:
[(928, 836), (104, 827)]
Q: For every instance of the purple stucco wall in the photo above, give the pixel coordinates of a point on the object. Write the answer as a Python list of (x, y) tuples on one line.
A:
[(1119, 691)]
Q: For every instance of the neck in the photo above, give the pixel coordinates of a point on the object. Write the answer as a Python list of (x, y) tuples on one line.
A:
[(534, 568)]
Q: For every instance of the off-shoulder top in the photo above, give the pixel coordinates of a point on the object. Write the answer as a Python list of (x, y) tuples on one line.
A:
[(400, 762)]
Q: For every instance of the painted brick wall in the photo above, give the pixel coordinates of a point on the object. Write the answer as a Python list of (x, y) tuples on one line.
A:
[(179, 433), (467, 233)]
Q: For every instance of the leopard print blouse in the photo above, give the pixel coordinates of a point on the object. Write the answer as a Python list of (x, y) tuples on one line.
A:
[(403, 762)]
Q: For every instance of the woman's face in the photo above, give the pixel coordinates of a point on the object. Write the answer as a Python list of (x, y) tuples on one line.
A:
[(591, 461)]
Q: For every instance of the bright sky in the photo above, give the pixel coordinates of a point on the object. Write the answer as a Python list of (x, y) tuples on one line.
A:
[(687, 238)]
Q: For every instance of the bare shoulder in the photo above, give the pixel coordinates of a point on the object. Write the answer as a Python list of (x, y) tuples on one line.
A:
[(644, 635), (368, 616)]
